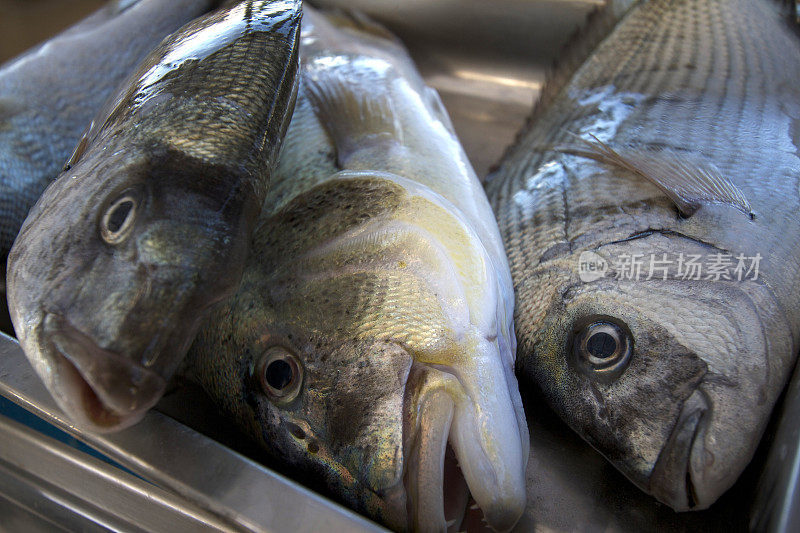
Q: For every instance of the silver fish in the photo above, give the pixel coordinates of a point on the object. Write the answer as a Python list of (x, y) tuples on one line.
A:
[(49, 95), (370, 347), (674, 143), (123, 255)]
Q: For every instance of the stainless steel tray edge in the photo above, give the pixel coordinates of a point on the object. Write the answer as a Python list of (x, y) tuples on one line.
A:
[(194, 467)]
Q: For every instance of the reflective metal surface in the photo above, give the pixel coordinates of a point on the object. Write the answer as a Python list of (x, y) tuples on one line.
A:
[(777, 504), (191, 471), (75, 491), (571, 487)]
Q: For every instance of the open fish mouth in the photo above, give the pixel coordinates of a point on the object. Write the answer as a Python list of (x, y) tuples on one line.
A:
[(454, 458), (674, 480), (99, 389)]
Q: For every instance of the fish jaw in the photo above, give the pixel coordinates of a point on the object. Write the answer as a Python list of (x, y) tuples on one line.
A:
[(674, 480), (426, 463), (106, 354), (717, 405), (99, 389), (448, 423), (102, 327)]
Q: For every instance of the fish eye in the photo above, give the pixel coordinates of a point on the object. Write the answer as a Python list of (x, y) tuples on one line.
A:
[(118, 219), (602, 348), (280, 374)]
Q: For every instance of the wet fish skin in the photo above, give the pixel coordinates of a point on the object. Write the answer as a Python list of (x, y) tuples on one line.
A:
[(49, 95), (124, 254), (695, 80), (390, 302)]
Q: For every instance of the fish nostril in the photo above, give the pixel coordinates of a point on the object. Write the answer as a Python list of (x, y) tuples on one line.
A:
[(313, 447), (296, 431)]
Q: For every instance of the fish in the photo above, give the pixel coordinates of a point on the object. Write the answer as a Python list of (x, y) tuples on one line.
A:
[(370, 348), (50, 94), (649, 210), (148, 227)]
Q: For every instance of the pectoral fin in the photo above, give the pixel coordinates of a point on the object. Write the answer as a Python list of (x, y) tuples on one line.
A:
[(688, 181)]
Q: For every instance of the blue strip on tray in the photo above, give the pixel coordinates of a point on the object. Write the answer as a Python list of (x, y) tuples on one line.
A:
[(18, 414)]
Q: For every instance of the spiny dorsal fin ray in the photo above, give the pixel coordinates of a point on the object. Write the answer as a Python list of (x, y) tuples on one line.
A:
[(123, 5), (599, 24), (438, 109), (80, 149), (354, 117), (688, 181)]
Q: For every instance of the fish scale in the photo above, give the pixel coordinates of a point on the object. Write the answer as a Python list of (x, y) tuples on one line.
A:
[(222, 118), (735, 152), (377, 279), (49, 95), (149, 225), (708, 84)]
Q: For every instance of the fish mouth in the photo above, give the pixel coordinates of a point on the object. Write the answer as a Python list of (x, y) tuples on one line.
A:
[(676, 479), (453, 462), (99, 389)]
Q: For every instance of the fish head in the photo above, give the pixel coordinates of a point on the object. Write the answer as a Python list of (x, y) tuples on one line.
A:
[(329, 420), (672, 378), (112, 273), (399, 415)]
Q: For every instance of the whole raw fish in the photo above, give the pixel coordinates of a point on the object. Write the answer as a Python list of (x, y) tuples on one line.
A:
[(49, 95), (123, 255), (650, 212), (370, 346)]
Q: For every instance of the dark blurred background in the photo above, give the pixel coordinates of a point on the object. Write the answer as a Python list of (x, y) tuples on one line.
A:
[(23, 23)]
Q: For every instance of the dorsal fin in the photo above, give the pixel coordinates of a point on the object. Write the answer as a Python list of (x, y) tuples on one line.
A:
[(584, 40), (688, 180), (599, 24), (80, 149), (357, 115), (434, 101), (359, 21), (123, 5)]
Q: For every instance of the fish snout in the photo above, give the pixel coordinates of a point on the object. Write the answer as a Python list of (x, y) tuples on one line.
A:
[(98, 388), (677, 477), (464, 446)]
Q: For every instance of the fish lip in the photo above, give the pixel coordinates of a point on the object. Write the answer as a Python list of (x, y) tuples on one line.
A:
[(438, 429), (425, 484), (99, 389), (673, 480)]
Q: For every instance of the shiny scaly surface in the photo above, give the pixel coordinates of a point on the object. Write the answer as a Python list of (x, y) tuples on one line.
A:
[(370, 346), (149, 226), (49, 95), (708, 84)]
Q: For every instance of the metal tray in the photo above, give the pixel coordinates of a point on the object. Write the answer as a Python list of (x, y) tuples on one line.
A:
[(187, 469)]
